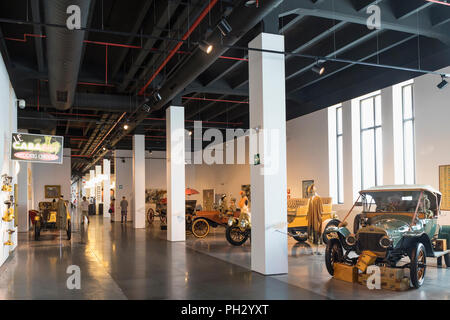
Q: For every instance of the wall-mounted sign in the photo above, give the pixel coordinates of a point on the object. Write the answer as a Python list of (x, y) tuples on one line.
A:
[(37, 148)]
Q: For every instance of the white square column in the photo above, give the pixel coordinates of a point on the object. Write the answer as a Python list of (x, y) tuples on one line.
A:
[(139, 181), (175, 166), (106, 188), (269, 251)]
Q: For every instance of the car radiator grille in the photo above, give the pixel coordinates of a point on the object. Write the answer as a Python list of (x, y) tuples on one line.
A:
[(370, 241)]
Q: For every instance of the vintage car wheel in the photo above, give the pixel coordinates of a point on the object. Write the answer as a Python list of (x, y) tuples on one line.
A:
[(356, 223), (200, 228), (150, 215), (235, 236), (163, 218), (327, 237), (418, 265), (333, 254), (69, 230), (447, 260)]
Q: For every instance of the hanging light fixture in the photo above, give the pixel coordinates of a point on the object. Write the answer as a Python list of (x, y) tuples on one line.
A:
[(205, 47), (318, 68), (224, 27), (443, 83)]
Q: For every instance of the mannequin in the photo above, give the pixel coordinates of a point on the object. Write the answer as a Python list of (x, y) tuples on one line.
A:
[(314, 216), (244, 200)]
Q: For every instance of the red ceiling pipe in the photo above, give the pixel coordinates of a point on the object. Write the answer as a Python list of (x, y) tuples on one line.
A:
[(439, 2), (216, 100), (204, 13)]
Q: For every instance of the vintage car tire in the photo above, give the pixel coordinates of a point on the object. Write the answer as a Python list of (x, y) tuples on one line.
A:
[(418, 255), (163, 218), (150, 215), (333, 253), (228, 234), (334, 223), (356, 223), (198, 223), (69, 230), (447, 260)]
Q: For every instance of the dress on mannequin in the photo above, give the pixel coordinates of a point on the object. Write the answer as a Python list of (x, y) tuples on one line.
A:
[(314, 216)]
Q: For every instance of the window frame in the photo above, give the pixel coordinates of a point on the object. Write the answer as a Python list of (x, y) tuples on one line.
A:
[(413, 122), (339, 192), (374, 128)]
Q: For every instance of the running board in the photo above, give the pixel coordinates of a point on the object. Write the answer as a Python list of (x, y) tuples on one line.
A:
[(438, 254)]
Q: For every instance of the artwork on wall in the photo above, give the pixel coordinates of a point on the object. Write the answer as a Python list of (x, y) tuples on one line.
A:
[(154, 195), (305, 185), (444, 186), (208, 199), (52, 192), (246, 189)]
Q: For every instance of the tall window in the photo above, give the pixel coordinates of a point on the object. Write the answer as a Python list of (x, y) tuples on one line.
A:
[(409, 173), (371, 142), (339, 156)]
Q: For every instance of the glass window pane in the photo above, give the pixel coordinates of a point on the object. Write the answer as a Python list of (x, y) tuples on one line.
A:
[(378, 110), (367, 120), (407, 102), (340, 169), (367, 158), (409, 152), (379, 154), (339, 120)]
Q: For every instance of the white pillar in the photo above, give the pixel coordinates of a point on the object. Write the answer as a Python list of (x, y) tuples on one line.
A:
[(139, 181), (98, 188), (175, 174), (92, 188), (387, 115), (106, 187), (269, 252)]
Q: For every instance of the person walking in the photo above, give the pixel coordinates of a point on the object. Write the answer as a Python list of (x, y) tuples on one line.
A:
[(84, 210), (124, 209)]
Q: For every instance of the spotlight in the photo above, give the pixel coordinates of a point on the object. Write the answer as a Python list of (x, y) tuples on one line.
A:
[(205, 47), (125, 127), (150, 152), (156, 97), (146, 108), (443, 83), (224, 27), (318, 68), (190, 133), (104, 149)]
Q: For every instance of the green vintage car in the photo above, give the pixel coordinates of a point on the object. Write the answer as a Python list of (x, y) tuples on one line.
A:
[(396, 222)]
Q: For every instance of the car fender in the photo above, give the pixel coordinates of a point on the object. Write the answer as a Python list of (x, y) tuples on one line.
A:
[(410, 240), (325, 223)]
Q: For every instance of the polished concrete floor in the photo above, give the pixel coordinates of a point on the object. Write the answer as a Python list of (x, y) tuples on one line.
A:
[(119, 262)]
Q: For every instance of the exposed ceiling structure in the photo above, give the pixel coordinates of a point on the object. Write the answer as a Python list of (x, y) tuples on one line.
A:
[(86, 84)]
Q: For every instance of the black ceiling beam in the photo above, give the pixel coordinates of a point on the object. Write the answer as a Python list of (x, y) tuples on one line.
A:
[(360, 5), (36, 14), (136, 27), (158, 30), (439, 15), (405, 8), (344, 11)]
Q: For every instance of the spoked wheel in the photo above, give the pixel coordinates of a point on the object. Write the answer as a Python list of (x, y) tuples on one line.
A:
[(235, 236), (150, 215), (418, 265), (447, 260), (69, 230), (333, 254), (200, 228)]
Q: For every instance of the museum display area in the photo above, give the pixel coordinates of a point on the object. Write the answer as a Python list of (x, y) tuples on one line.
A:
[(225, 150)]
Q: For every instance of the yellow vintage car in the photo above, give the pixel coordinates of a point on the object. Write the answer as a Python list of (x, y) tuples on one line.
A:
[(297, 223), (45, 219)]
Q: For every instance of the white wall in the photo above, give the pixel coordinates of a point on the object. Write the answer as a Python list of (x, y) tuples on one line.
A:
[(8, 124), (52, 174)]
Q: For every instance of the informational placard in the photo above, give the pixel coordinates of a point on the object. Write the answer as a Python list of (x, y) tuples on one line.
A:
[(37, 148), (444, 186)]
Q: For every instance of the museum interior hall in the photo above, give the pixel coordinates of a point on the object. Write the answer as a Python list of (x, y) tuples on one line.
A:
[(225, 150)]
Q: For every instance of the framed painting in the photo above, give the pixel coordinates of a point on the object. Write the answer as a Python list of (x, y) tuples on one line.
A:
[(305, 185), (52, 192)]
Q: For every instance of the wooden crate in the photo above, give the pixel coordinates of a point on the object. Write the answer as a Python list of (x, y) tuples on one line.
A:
[(441, 245), (366, 259), (391, 279), (345, 272)]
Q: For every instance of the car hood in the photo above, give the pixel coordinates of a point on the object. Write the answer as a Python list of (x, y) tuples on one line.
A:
[(394, 226)]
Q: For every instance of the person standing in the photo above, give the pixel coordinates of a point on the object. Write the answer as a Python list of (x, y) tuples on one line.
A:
[(124, 209), (84, 210)]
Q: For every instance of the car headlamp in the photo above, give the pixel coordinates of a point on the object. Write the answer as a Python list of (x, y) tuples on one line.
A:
[(351, 240), (230, 222), (385, 242), (243, 223)]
